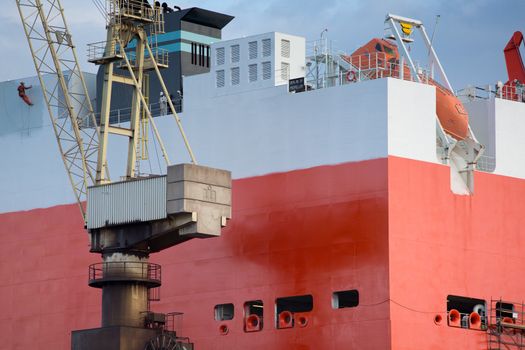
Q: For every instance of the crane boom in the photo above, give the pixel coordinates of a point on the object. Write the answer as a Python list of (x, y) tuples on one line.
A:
[(513, 59), (64, 89)]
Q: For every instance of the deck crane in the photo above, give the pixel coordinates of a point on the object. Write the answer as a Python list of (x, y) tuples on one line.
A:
[(82, 137), (130, 219)]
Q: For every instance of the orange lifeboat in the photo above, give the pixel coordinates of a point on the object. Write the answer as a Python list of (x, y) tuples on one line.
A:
[(381, 53), (451, 113)]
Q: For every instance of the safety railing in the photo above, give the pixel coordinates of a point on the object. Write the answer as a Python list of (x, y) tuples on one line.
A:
[(506, 92), (103, 50), (174, 322), (122, 115), (369, 67), (512, 93), (107, 272), (161, 57), (132, 9)]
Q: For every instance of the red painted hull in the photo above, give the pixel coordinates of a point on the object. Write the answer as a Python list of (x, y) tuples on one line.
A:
[(389, 228)]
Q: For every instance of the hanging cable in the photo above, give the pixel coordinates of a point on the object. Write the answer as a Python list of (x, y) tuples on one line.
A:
[(404, 306), (100, 7)]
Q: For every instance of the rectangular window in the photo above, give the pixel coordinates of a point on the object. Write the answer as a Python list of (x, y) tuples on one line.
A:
[(252, 72), (235, 53), (220, 55), (200, 55), (236, 75), (252, 49), (224, 312), (266, 70), (345, 298), (285, 48), (286, 309), (193, 53), (505, 310), (285, 71), (459, 310), (301, 303), (253, 315), (220, 78), (266, 47)]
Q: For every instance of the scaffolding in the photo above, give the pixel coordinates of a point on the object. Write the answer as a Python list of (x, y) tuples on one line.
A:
[(507, 325)]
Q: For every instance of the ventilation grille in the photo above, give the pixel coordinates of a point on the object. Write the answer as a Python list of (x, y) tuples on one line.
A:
[(266, 47), (220, 55), (236, 53), (285, 48), (236, 76), (285, 71), (266, 70), (252, 72), (220, 78), (252, 49)]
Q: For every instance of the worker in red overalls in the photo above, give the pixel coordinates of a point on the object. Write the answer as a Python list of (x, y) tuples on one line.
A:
[(22, 93)]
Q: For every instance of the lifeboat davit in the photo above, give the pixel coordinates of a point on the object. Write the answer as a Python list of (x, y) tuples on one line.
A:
[(383, 53)]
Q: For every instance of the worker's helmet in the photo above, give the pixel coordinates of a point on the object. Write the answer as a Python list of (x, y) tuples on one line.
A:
[(161, 93)]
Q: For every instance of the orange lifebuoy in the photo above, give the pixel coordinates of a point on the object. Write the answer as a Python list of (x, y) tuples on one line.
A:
[(351, 76)]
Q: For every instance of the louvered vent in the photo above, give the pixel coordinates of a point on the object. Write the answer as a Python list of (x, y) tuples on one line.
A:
[(266, 70), (220, 78), (252, 49), (252, 72), (285, 71), (285, 48), (236, 76), (220, 55), (266, 47), (236, 53)]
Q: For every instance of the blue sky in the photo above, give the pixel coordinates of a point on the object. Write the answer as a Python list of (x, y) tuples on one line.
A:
[(469, 38)]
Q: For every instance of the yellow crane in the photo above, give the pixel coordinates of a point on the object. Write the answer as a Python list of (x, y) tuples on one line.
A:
[(82, 138), (127, 220)]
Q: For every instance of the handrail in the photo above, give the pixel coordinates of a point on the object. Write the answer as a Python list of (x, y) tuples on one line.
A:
[(371, 66), (124, 270)]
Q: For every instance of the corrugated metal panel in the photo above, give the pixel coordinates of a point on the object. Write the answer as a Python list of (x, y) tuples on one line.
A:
[(285, 71), (267, 47), (220, 55), (252, 49), (252, 72), (236, 53), (126, 202), (267, 70), (236, 75), (285, 48), (220, 78)]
